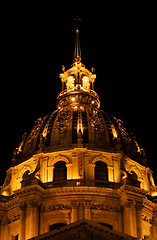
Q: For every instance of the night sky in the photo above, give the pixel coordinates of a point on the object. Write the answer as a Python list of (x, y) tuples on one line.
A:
[(120, 44)]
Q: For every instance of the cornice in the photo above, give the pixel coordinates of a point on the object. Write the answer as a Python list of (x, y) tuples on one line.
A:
[(127, 189), (34, 189), (55, 192)]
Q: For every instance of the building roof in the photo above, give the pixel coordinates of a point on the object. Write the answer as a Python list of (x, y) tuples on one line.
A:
[(84, 230)]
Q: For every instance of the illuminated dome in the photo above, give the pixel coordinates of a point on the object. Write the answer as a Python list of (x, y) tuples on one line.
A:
[(78, 168), (78, 120)]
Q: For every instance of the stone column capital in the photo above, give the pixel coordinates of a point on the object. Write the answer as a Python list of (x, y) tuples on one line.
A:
[(128, 203), (87, 204), (34, 202), (138, 206), (75, 204), (22, 206), (4, 220)]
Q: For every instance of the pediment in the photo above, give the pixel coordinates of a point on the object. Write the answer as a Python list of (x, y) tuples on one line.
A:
[(84, 230)]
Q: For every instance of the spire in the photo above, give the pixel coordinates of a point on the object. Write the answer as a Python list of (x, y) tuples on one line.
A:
[(77, 51)]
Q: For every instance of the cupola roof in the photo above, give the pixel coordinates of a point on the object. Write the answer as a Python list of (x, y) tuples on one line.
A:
[(78, 120)]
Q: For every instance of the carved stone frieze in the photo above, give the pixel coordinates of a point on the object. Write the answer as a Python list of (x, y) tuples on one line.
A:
[(107, 207), (147, 219), (13, 218), (51, 208)]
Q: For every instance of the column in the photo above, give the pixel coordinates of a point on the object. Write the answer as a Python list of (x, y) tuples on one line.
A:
[(32, 218), (69, 171), (22, 226), (91, 171), (4, 228), (41, 227), (43, 169), (74, 216), (154, 226), (127, 214), (87, 206), (50, 173), (139, 207), (116, 169), (110, 173)]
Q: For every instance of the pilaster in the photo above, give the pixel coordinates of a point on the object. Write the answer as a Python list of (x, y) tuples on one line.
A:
[(74, 211), (87, 206), (154, 225), (32, 218), (127, 216), (138, 207), (22, 226), (4, 228)]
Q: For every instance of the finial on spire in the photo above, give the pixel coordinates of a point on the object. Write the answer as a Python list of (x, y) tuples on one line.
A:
[(77, 51)]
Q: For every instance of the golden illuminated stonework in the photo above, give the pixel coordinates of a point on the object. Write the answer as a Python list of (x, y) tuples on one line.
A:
[(78, 173)]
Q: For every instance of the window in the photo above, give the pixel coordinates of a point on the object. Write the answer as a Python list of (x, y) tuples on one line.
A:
[(26, 174), (56, 226), (60, 171), (101, 172), (134, 175)]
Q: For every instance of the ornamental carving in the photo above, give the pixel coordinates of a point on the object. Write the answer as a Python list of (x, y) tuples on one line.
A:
[(55, 207), (147, 219), (63, 121), (75, 204), (14, 218), (22, 206), (87, 204), (80, 162), (139, 206), (34, 203), (129, 203), (35, 131), (105, 207), (96, 121)]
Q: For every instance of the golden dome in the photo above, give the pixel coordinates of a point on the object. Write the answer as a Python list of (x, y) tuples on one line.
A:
[(78, 120)]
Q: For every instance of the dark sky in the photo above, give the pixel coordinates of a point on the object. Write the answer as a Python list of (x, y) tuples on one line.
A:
[(121, 45)]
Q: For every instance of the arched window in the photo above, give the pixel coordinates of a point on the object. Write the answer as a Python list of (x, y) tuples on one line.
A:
[(60, 171), (56, 226), (101, 172), (26, 174), (134, 175)]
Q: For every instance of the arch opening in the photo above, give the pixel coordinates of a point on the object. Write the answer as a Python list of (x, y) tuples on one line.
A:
[(60, 171), (101, 171)]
